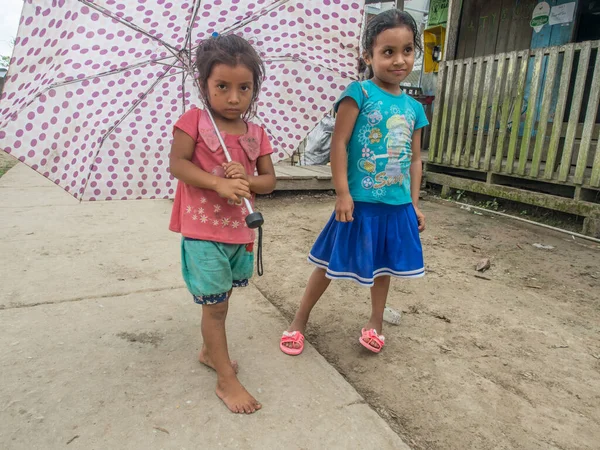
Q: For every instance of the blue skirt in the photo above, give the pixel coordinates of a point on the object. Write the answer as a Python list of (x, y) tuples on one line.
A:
[(381, 240)]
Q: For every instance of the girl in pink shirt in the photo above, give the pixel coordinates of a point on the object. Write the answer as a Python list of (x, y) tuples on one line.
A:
[(216, 247)]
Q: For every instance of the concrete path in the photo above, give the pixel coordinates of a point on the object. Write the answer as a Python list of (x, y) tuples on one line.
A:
[(98, 341)]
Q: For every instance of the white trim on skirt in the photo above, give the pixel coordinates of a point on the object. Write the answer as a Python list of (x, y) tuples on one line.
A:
[(367, 282)]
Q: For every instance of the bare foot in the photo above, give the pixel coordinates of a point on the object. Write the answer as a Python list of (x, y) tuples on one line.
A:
[(236, 397), (205, 359)]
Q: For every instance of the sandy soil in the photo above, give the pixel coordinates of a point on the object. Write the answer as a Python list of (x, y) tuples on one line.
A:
[(509, 362)]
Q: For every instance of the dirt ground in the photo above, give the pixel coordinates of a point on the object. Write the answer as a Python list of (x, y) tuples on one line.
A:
[(508, 362)]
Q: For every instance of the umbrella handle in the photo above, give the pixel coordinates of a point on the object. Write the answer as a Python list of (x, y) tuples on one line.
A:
[(253, 219)]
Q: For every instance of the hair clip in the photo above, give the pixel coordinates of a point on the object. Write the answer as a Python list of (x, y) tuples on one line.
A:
[(215, 34)]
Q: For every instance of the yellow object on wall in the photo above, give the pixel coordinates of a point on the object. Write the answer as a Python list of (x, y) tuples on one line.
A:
[(434, 39)]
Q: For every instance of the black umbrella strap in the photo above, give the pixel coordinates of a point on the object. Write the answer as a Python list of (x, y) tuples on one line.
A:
[(259, 255)]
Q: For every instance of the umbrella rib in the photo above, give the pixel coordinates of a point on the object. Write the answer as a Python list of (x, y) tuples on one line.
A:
[(158, 61), (306, 61), (136, 103), (183, 78), (110, 72), (265, 11), (188, 38), (128, 24), (79, 80), (256, 16), (249, 19), (120, 121)]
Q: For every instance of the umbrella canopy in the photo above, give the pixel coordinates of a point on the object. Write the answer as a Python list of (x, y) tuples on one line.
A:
[(94, 87)]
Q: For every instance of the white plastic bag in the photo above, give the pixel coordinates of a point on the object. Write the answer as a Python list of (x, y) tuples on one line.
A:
[(318, 143)]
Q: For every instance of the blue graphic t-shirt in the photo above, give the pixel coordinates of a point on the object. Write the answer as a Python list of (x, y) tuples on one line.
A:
[(379, 151)]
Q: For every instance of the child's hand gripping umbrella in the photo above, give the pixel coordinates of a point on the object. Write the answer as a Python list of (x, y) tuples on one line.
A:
[(254, 219)]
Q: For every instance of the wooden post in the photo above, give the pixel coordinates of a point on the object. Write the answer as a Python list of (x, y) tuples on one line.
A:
[(473, 111), (559, 114), (504, 130), (568, 148), (454, 11), (462, 117), (517, 111)]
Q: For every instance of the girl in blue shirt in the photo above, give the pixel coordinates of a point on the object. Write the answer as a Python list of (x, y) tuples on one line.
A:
[(376, 165)]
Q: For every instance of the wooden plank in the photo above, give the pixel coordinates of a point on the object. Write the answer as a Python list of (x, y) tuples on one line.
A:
[(444, 130), (579, 131), (434, 146), (589, 122), (284, 176), (576, 47), (320, 174), (487, 27), (457, 99), (494, 112), (308, 169), (516, 116), (579, 46), (452, 24), (561, 103), (487, 83), (474, 97), (503, 128), (295, 184), (462, 118), (280, 168), (467, 173), (521, 32), (584, 60), (481, 25), (289, 172), (492, 23), (504, 27), (534, 89), (595, 178), (469, 23), (567, 205), (321, 170), (545, 112), (301, 171)]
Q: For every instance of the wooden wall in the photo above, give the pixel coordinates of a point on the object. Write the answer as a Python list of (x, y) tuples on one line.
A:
[(484, 121), (494, 26)]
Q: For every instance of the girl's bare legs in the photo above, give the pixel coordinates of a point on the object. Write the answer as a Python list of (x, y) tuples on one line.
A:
[(317, 285), (379, 293), (204, 357), (229, 389)]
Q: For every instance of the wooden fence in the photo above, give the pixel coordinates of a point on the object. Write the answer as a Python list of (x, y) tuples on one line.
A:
[(530, 114)]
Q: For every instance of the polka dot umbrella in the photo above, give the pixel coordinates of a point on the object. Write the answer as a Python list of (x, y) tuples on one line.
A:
[(95, 86)]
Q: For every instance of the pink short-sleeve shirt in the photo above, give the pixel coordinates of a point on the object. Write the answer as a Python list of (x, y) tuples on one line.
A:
[(202, 213)]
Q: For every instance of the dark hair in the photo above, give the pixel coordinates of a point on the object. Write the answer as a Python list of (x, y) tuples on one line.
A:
[(386, 20), (231, 50)]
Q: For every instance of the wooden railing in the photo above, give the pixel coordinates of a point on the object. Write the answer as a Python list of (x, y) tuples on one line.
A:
[(529, 114)]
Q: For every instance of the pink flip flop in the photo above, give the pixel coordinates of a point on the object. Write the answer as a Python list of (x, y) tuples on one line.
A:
[(369, 337), (292, 337)]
